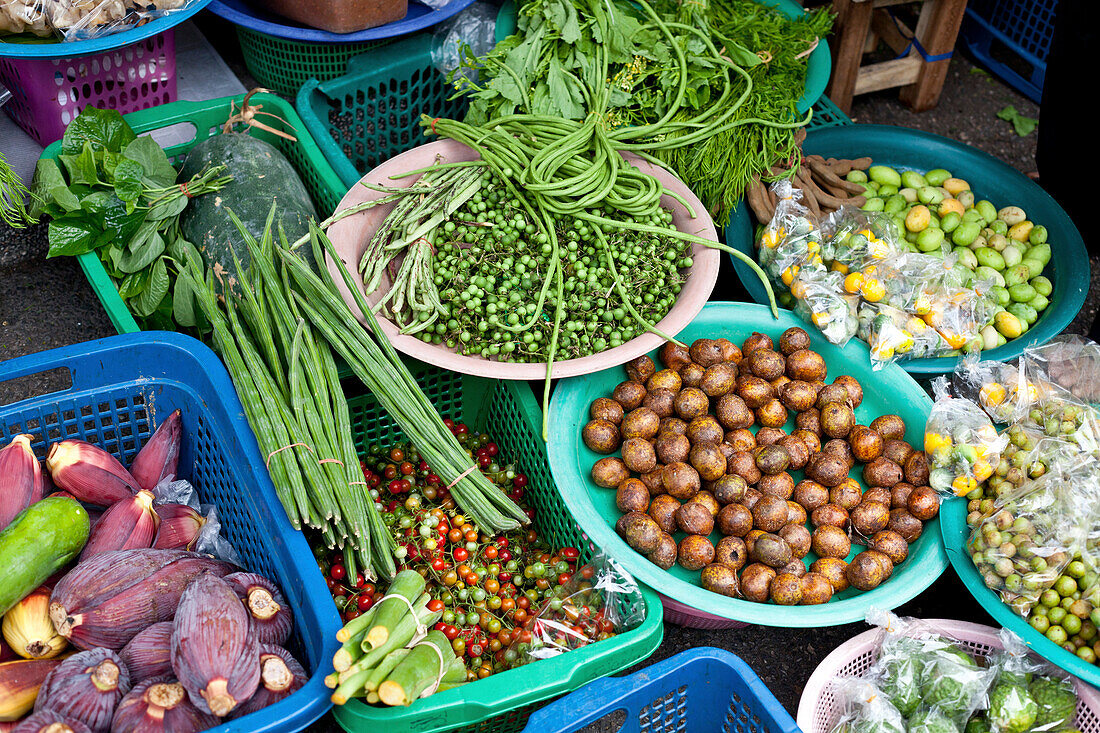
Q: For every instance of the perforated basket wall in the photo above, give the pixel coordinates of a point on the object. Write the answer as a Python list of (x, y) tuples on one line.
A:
[(47, 94), (819, 709), (507, 411), (1012, 38), (702, 690), (373, 112), (122, 388), (283, 65), (827, 114)]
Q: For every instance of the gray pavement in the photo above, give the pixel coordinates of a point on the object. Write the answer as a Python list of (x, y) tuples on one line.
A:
[(48, 303)]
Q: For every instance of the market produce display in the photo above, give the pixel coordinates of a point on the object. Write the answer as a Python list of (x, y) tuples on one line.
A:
[(115, 624), (923, 680), (76, 20), (936, 274), (683, 470), (485, 594)]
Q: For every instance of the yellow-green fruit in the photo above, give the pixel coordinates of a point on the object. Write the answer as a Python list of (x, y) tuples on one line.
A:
[(909, 194), (1042, 285), (887, 189), (949, 221), (1018, 274), (930, 195), (884, 175), (930, 239), (966, 198), (937, 176), (1022, 293), (989, 257), (1034, 267), (1024, 312), (1039, 253), (895, 204), (1000, 295), (917, 219), (965, 233), (987, 210), (1012, 255), (1021, 231), (988, 273), (1008, 325), (1039, 302), (874, 204), (856, 176), (1038, 235), (912, 179), (1011, 215)]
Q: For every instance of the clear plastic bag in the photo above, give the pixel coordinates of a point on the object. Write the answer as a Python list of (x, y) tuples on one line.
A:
[(209, 540), (1072, 363), (962, 445), (1003, 390), (791, 242), (1028, 695), (77, 20), (820, 301), (866, 708), (472, 31), (894, 335), (860, 238), (600, 600)]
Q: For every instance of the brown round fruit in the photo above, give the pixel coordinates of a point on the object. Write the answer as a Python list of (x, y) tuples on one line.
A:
[(664, 556), (691, 403), (809, 420), (806, 366), (751, 497), (786, 589), (693, 518), (810, 494), (718, 379), (705, 498), (797, 396), (897, 451), (708, 461), (769, 436), (756, 580), (743, 464), (660, 401), (905, 524), (705, 429), (665, 379), (867, 570), (869, 517), (695, 552), (629, 395), (662, 510), (846, 494), (916, 469), (839, 447), (811, 440), (672, 448), (879, 494), (770, 513), (719, 578), (796, 513), (889, 427), (605, 408), (923, 503), (608, 473), (673, 355), (731, 352), (705, 352), (798, 537), (734, 520), (866, 443), (729, 489), (793, 339), (654, 480), (855, 389), (797, 452), (731, 551), (638, 455), (827, 469), (772, 459), (754, 391), (672, 425), (832, 569), (830, 394), (816, 589), (640, 531), (681, 481), (899, 494), (751, 537), (741, 439), (830, 541), (632, 496), (732, 412), (601, 436), (640, 369), (891, 544), (780, 484), (882, 472), (756, 341), (766, 364), (692, 374), (778, 383), (772, 550), (829, 514), (771, 414)]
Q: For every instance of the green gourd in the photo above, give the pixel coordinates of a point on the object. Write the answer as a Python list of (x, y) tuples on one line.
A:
[(42, 539)]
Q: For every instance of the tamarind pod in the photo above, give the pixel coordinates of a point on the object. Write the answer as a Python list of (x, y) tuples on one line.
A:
[(756, 197), (826, 175)]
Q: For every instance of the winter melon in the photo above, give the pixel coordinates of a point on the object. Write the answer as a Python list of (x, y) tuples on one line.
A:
[(260, 174)]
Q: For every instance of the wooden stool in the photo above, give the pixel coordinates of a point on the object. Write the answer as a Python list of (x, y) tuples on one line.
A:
[(923, 55)]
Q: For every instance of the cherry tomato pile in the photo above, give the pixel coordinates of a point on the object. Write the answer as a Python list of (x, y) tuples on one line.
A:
[(488, 587)]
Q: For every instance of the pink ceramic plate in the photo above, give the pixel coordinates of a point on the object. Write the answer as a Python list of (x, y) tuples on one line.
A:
[(351, 235)]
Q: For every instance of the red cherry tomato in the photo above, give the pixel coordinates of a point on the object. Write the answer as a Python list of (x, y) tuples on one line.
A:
[(338, 572)]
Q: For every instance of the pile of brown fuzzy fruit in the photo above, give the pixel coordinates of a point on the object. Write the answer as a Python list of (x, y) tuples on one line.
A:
[(690, 465)]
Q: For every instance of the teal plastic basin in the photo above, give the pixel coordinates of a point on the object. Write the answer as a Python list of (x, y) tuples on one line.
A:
[(955, 532), (991, 179), (889, 391)]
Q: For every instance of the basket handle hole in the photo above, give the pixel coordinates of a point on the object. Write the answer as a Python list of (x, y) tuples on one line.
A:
[(34, 385), (181, 133)]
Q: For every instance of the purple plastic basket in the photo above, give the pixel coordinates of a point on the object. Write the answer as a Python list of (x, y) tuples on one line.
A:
[(48, 93)]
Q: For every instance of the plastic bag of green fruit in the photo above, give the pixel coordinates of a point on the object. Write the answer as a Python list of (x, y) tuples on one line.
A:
[(962, 446), (820, 300), (1028, 695), (1004, 390), (859, 238), (1072, 363), (894, 334), (791, 241)]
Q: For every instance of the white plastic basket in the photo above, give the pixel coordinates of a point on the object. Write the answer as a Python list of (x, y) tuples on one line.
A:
[(819, 710)]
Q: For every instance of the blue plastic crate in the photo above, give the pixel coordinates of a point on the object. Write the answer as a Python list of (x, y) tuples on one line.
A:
[(702, 690), (122, 387), (1012, 38)]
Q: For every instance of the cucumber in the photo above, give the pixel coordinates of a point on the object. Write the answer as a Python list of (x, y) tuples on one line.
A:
[(42, 539), (260, 174)]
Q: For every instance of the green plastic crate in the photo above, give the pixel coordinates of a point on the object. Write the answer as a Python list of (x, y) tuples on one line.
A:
[(501, 703), (324, 186), (284, 65), (827, 114)]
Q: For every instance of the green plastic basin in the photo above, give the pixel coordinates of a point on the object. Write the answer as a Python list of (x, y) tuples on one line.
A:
[(955, 532), (890, 390), (991, 179)]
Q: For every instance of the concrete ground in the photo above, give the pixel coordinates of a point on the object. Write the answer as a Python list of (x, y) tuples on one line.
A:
[(48, 303)]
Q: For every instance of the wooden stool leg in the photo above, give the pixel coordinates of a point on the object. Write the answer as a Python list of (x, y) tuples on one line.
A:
[(853, 22), (937, 30)]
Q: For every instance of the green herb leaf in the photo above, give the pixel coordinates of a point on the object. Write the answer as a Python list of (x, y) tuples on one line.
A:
[(149, 300), (565, 93), (49, 187), (1023, 126), (146, 246), (128, 182), (104, 128), (73, 235), (158, 170), (82, 167), (167, 208), (133, 285)]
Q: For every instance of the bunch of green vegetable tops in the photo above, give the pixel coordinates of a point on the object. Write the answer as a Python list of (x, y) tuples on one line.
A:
[(491, 268), (710, 87)]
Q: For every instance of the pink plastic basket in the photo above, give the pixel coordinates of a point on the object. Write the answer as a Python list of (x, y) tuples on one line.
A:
[(48, 93), (683, 615), (819, 710)]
